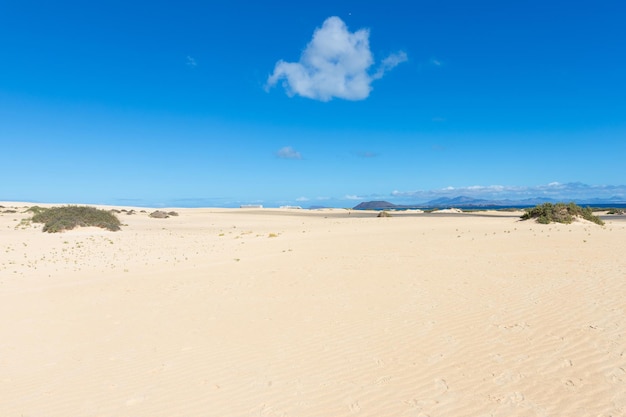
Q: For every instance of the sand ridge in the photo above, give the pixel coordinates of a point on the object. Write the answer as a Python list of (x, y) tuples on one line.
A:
[(312, 313)]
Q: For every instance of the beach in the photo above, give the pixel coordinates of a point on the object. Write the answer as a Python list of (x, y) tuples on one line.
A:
[(312, 313)]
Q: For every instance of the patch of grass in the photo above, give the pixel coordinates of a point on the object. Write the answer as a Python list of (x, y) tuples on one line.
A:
[(35, 209), (58, 219), (616, 211), (560, 213), (24, 223)]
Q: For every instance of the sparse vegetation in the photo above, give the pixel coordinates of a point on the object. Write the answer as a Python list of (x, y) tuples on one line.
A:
[(58, 219), (384, 214), (560, 213), (616, 211), (24, 224), (159, 214), (35, 209)]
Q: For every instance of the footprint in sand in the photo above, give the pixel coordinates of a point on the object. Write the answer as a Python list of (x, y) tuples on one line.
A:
[(442, 385), (515, 398), (355, 407), (616, 375), (570, 385), (382, 380)]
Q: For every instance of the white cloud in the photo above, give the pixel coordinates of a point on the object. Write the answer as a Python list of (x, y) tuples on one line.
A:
[(302, 199), (191, 61), (390, 63), (435, 62), (335, 63), (288, 153), (352, 197), (554, 190)]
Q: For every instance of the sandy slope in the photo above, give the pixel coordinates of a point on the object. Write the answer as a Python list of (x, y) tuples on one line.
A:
[(277, 313)]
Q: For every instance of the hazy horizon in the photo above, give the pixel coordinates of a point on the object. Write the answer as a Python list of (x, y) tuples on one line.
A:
[(574, 192)]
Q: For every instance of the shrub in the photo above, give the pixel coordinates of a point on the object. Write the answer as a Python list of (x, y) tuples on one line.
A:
[(560, 213), (58, 219), (159, 215), (35, 209)]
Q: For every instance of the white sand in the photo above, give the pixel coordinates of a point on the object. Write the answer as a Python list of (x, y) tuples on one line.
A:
[(221, 312)]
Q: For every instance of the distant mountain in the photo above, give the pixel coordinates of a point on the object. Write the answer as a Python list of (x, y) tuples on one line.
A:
[(604, 201), (375, 205), (469, 202)]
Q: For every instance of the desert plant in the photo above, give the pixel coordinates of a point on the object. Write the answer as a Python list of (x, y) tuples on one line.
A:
[(58, 219), (35, 209), (560, 213), (159, 214)]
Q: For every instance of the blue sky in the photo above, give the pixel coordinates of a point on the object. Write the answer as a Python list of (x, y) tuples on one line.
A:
[(211, 103)]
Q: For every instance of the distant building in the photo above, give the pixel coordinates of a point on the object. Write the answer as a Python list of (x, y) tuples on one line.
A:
[(248, 206), (291, 207)]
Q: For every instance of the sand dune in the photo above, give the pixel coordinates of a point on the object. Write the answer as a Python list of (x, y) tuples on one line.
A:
[(226, 312)]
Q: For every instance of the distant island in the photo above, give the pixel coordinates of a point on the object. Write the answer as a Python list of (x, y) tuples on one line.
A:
[(469, 202)]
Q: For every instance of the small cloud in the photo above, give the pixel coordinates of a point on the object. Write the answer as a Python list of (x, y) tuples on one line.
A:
[(432, 63), (390, 63), (435, 62), (288, 153), (352, 197), (191, 62), (302, 199), (366, 154), (335, 63)]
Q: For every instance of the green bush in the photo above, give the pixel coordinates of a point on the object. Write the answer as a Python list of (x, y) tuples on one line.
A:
[(560, 213), (58, 219), (35, 209)]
